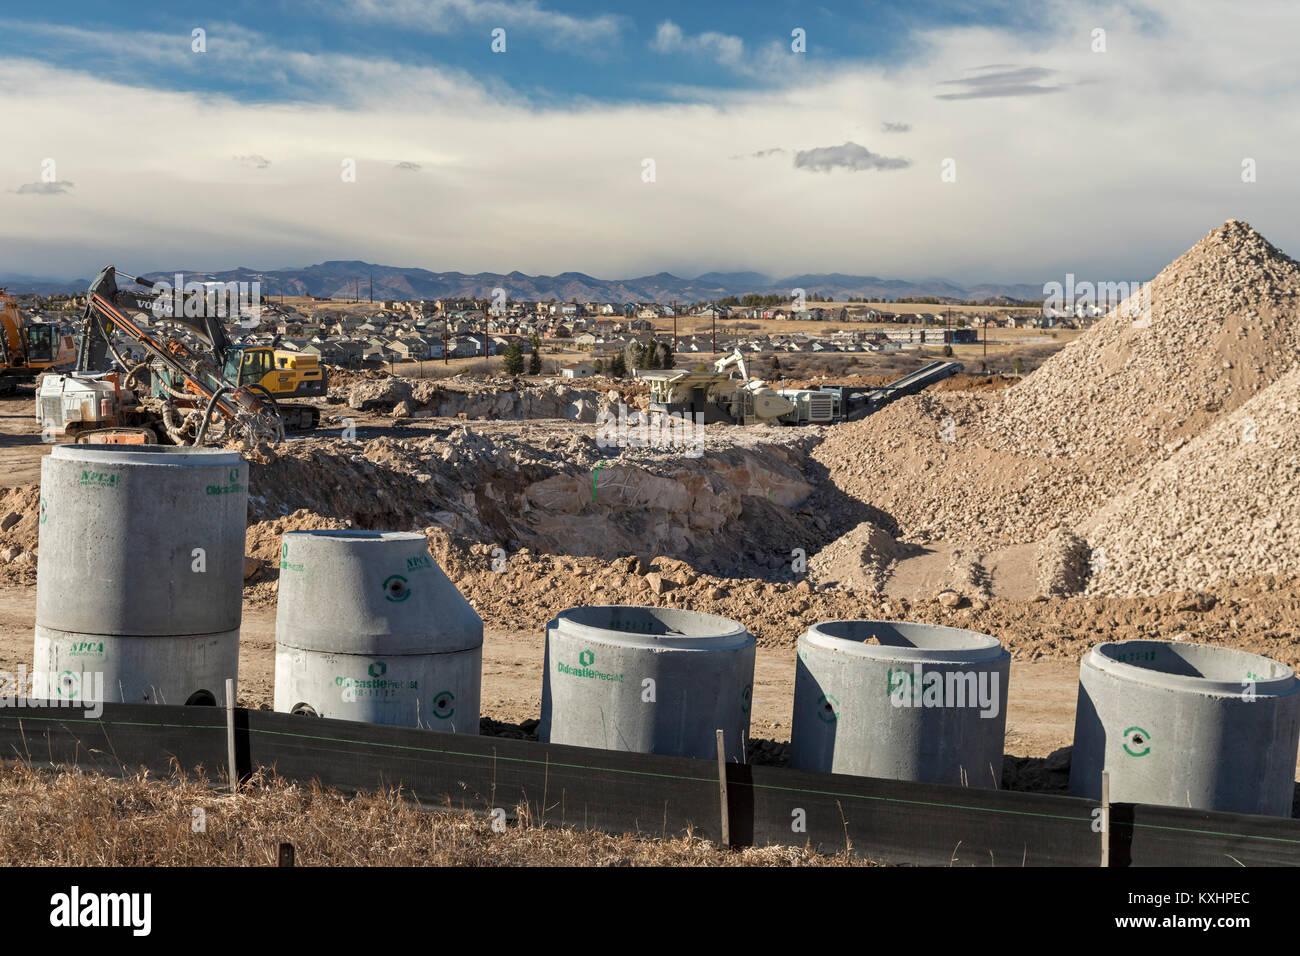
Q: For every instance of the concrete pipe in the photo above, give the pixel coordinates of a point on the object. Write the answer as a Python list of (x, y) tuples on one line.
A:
[(1187, 725), (647, 680), (369, 628), (140, 572), (901, 701)]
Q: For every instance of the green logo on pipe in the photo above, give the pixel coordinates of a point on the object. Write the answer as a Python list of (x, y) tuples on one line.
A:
[(828, 709), (444, 705), (1137, 742)]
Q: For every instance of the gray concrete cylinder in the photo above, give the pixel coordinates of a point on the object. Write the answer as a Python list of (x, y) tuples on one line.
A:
[(140, 571), (369, 628), (1187, 725), (924, 702), (647, 680)]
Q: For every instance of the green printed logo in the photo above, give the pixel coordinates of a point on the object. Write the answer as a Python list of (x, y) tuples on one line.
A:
[(100, 479), (418, 562), (45, 511), (586, 659), (746, 696), (1137, 742), (828, 709), (444, 705), (378, 669), (284, 559), (67, 684), (87, 649), (396, 589)]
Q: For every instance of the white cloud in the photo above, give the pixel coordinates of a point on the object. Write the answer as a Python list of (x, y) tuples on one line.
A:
[(443, 16), (1135, 159), (721, 47), (850, 156), (56, 188)]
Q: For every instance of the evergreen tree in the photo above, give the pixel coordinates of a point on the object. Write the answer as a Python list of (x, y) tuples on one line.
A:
[(513, 362), (535, 363), (617, 366)]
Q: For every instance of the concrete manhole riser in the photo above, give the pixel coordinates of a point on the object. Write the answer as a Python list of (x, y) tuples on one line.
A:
[(369, 628), (139, 572), (927, 703), (647, 680), (1188, 725)]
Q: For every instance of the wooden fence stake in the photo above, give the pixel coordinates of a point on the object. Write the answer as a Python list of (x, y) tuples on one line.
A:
[(230, 734), (1105, 818), (722, 789)]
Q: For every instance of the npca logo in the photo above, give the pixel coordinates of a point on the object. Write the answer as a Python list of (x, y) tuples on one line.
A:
[(378, 669), (1137, 742), (586, 658)]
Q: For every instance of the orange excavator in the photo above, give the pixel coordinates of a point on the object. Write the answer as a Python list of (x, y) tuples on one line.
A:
[(29, 348)]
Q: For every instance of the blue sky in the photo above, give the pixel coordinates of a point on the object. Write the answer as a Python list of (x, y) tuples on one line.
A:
[(607, 53), (996, 141)]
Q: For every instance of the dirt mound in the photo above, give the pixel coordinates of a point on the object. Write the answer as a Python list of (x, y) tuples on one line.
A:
[(557, 491), (494, 399), (1216, 326), (926, 464), (859, 560), (1226, 506), (20, 510), (1213, 329), (1062, 561)]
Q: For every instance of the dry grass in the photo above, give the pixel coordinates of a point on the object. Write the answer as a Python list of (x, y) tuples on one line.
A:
[(71, 818)]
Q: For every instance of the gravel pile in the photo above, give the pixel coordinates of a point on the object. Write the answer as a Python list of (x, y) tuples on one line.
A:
[(1217, 327), (1225, 506), (1062, 563)]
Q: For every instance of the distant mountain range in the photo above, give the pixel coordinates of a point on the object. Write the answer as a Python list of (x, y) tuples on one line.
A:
[(342, 279)]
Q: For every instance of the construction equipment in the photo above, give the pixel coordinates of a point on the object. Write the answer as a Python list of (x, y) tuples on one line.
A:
[(718, 396), (193, 385), (857, 402), (28, 348)]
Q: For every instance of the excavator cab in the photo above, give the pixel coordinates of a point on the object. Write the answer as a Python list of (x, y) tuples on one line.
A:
[(254, 366), (41, 348)]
